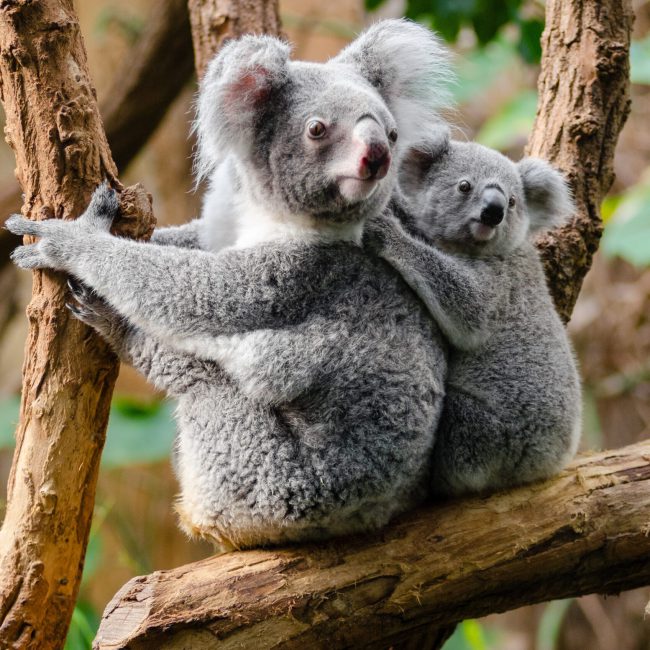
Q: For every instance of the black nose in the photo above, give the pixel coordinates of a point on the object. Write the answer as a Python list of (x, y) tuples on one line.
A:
[(494, 207), (376, 161)]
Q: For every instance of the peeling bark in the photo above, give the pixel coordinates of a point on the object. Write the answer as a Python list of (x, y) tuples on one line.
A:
[(54, 127), (582, 532), (584, 102)]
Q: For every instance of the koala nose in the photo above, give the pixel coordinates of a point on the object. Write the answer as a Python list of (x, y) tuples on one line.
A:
[(494, 207), (376, 161)]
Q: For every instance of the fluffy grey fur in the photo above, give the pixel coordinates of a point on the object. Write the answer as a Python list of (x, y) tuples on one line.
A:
[(309, 377), (512, 408)]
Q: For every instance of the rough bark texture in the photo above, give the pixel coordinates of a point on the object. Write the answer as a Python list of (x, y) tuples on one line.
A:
[(582, 532), (61, 152), (155, 71), (214, 21), (583, 103)]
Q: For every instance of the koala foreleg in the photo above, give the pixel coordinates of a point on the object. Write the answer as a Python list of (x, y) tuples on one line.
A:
[(461, 296), (163, 289), (166, 368), (185, 236)]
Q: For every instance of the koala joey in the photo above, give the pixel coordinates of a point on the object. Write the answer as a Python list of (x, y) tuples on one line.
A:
[(512, 405), (309, 377)]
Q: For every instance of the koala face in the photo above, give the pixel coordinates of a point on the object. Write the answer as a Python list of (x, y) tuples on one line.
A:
[(321, 140), (331, 153), (474, 200)]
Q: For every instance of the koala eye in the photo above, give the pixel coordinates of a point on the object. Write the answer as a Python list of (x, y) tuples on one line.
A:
[(392, 135), (511, 202), (464, 187), (316, 129)]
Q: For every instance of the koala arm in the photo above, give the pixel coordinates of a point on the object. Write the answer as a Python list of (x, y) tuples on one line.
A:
[(275, 365), (164, 367), (185, 236), (163, 289), (460, 295)]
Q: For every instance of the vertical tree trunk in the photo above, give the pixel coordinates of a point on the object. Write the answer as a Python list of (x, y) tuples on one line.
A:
[(214, 21), (584, 100), (61, 152)]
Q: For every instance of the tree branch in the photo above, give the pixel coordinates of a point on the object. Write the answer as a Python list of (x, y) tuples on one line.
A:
[(54, 127), (585, 531), (584, 101)]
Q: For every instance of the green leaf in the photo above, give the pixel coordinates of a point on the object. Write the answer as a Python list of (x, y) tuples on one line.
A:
[(83, 627), (138, 433), (640, 61), (627, 232), (512, 123), (549, 625), (478, 70), (9, 413), (530, 35)]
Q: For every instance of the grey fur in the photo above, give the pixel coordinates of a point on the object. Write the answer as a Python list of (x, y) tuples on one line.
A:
[(309, 377), (512, 408)]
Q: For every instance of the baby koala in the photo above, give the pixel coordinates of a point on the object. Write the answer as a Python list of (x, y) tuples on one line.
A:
[(309, 377), (512, 405)]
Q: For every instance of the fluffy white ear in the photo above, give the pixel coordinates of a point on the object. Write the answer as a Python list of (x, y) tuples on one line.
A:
[(237, 84), (418, 160), (410, 68), (548, 197)]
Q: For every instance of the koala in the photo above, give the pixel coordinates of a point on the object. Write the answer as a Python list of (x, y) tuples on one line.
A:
[(462, 241), (309, 377)]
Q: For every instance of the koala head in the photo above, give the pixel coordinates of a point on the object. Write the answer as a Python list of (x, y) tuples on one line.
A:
[(321, 139), (472, 199)]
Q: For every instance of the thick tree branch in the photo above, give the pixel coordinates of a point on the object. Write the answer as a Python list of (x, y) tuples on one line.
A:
[(585, 531), (54, 127), (584, 101)]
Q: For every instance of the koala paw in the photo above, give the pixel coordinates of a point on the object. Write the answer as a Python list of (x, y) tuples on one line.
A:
[(378, 233), (91, 309), (104, 206)]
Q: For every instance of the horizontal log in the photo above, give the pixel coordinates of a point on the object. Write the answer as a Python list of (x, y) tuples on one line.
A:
[(585, 531)]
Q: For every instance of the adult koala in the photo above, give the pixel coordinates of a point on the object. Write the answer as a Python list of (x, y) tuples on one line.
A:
[(512, 405), (309, 377)]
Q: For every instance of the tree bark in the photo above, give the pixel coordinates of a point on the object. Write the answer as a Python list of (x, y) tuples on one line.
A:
[(584, 102), (584, 531), (54, 127), (214, 21), (155, 71)]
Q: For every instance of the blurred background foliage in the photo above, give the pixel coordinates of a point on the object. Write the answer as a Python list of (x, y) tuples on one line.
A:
[(498, 50)]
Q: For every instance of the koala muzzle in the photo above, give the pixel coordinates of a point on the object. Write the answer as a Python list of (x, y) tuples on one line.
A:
[(493, 209), (376, 161)]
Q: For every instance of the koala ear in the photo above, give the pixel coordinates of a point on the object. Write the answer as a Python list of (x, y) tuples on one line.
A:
[(410, 69), (548, 197), (418, 160), (236, 86)]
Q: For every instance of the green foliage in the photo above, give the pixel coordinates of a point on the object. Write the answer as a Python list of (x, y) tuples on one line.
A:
[(640, 61), (627, 231), (138, 432), (83, 627), (129, 24), (471, 635), (485, 18), (549, 626), (479, 69), (511, 123)]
